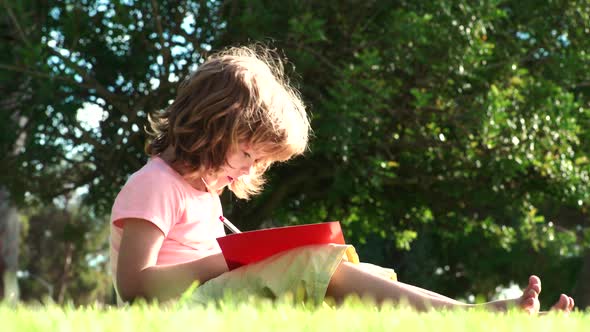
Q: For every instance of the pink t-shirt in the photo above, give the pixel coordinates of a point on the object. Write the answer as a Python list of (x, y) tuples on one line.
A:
[(188, 218)]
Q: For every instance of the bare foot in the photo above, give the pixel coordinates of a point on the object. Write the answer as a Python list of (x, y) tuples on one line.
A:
[(529, 301), (565, 304)]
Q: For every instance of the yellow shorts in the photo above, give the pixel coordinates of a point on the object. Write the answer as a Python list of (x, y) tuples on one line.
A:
[(304, 273)]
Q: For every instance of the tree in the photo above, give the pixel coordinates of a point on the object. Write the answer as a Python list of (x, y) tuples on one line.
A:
[(12, 102), (450, 126), (65, 256), (116, 60), (88, 61)]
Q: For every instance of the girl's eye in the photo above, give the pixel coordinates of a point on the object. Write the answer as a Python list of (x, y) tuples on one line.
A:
[(246, 154)]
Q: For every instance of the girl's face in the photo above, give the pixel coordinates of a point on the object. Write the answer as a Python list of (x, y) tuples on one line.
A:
[(240, 162)]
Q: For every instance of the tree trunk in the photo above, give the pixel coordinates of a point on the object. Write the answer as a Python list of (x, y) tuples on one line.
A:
[(9, 241), (65, 276), (9, 219)]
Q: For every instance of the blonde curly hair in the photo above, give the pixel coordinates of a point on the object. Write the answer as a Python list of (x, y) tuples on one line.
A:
[(239, 95)]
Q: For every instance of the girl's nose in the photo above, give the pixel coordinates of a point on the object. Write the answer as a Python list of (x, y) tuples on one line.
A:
[(245, 170)]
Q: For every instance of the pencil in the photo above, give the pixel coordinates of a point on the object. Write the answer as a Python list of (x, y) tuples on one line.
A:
[(229, 225)]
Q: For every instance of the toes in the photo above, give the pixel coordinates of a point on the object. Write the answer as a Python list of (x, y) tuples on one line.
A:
[(532, 293), (534, 305), (530, 305), (561, 304), (528, 298), (535, 283), (529, 302), (571, 304), (565, 304), (557, 305)]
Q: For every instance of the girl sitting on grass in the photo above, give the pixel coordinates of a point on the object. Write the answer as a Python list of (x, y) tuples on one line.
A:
[(233, 118)]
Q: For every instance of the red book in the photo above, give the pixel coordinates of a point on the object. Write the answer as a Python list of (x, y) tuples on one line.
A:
[(253, 246)]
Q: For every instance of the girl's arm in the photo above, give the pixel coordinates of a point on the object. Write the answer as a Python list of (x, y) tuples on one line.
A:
[(138, 275)]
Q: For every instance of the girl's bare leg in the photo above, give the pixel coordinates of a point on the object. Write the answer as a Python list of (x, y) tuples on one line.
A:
[(430, 293), (418, 289), (349, 279), (565, 303)]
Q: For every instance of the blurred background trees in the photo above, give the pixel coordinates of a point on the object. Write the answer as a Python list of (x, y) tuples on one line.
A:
[(450, 136)]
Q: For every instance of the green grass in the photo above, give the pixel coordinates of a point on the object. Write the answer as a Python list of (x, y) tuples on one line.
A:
[(264, 316)]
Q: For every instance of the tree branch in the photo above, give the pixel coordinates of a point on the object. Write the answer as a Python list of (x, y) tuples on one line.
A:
[(165, 50), (582, 84), (110, 97), (16, 24), (53, 77), (37, 73)]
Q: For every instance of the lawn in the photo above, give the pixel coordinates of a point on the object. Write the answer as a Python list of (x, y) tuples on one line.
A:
[(264, 316)]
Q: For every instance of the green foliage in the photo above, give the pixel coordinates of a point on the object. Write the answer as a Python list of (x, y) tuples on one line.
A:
[(65, 257), (116, 61), (452, 130)]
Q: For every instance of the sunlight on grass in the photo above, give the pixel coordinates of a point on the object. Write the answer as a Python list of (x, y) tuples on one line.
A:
[(267, 316)]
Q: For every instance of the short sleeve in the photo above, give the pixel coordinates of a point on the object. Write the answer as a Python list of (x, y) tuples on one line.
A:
[(153, 197)]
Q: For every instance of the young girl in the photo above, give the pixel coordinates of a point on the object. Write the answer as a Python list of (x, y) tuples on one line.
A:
[(233, 118)]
